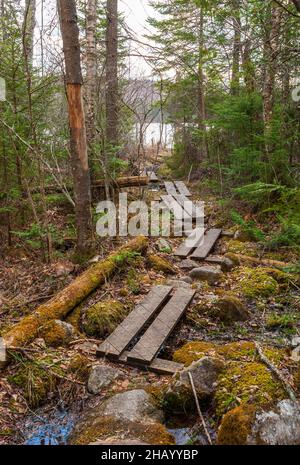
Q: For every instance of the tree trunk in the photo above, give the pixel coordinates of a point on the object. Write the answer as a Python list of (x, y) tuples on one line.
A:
[(28, 28), (297, 4), (203, 152), (91, 77), (112, 73), (78, 145), (271, 53), (67, 299), (248, 67), (235, 77)]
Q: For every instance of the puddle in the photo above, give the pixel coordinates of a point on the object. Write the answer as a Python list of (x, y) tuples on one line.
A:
[(50, 430), (182, 435)]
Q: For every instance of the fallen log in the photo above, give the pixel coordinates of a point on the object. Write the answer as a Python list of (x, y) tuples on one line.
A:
[(68, 298), (130, 181), (260, 261), (118, 183)]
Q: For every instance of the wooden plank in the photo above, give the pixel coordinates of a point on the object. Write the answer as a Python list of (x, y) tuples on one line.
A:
[(178, 211), (182, 189), (170, 188), (193, 241), (158, 365), (191, 209), (119, 340), (210, 238), (150, 343)]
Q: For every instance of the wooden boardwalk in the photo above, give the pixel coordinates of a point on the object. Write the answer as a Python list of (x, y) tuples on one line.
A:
[(197, 246), (161, 312)]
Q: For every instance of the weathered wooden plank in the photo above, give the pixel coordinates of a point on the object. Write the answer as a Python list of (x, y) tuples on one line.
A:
[(194, 240), (191, 209), (210, 238), (175, 207), (150, 343), (170, 188), (158, 365), (182, 189), (119, 340)]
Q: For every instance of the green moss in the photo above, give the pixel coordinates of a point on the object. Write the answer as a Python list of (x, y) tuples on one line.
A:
[(35, 381), (246, 382), (80, 366), (74, 318), (160, 264), (229, 309), (243, 248), (106, 427), (102, 318), (54, 334), (236, 425), (256, 282), (286, 320)]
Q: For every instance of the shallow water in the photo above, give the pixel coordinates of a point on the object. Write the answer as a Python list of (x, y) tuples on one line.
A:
[(49, 430)]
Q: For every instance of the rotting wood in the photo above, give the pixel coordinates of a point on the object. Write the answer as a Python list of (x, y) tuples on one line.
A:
[(66, 300), (134, 323), (158, 332), (210, 238), (190, 208), (261, 261), (179, 213)]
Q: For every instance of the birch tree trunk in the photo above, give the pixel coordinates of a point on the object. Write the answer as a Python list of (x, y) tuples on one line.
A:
[(28, 28), (91, 77), (78, 144), (203, 152)]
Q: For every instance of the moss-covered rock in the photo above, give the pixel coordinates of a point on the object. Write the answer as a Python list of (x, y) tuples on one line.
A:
[(74, 318), (236, 425), (256, 282), (246, 383), (57, 333), (101, 319), (35, 381), (161, 264), (244, 248), (229, 308), (80, 366)]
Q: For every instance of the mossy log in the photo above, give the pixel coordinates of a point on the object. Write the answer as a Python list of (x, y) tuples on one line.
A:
[(261, 261), (68, 298)]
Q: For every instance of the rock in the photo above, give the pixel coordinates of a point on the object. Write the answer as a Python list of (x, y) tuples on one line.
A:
[(230, 309), (188, 264), (63, 268), (206, 273), (225, 263), (102, 376), (249, 425), (161, 264), (242, 236), (205, 373), (178, 284), (57, 333), (102, 318), (295, 341), (295, 356), (163, 246), (186, 279), (130, 415)]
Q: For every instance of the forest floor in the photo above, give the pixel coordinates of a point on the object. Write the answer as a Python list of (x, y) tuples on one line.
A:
[(44, 382)]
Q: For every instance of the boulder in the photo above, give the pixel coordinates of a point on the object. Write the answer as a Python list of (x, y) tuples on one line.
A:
[(186, 279), (128, 416), (102, 318), (207, 273), (102, 376), (229, 309), (188, 264), (161, 264), (248, 425), (205, 373), (178, 284)]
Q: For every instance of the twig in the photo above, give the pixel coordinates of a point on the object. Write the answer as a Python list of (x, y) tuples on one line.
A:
[(276, 372), (199, 409)]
